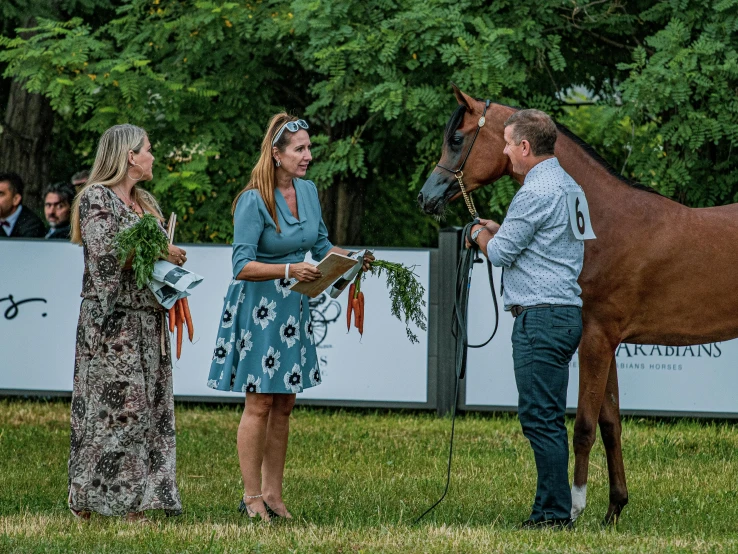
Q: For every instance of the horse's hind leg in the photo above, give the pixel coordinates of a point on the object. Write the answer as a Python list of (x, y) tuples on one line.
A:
[(596, 354), (610, 430)]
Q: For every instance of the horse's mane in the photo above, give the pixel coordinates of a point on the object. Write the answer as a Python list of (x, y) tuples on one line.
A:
[(458, 115), (592, 153)]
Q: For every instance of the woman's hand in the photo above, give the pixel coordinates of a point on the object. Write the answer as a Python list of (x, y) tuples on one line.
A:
[(177, 256), (304, 271), (368, 259)]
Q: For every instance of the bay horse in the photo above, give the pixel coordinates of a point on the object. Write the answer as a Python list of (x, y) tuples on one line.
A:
[(657, 273)]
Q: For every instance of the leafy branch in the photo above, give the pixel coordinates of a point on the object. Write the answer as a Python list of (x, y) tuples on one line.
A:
[(406, 294), (144, 243)]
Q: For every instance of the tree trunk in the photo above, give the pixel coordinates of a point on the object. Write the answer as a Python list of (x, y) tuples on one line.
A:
[(343, 211), (25, 140)]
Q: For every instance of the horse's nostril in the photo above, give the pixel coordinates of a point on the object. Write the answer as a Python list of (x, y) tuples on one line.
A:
[(420, 198)]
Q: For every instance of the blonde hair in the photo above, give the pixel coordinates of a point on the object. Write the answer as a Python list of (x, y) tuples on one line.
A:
[(263, 176), (109, 170)]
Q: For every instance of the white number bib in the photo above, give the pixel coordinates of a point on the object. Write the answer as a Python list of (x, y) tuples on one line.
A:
[(579, 215)]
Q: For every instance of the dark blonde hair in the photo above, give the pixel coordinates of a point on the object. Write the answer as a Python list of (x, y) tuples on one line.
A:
[(536, 127), (263, 176), (109, 170)]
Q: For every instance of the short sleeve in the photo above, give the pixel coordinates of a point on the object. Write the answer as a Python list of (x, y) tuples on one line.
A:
[(248, 225), (98, 226), (322, 244)]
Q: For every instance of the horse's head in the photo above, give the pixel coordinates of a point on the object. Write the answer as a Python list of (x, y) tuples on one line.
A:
[(485, 162)]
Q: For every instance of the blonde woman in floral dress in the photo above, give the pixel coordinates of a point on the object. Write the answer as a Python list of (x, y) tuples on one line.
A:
[(265, 346), (122, 458)]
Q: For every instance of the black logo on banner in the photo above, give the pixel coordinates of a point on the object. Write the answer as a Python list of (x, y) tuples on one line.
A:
[(323, 311), (12, 311)]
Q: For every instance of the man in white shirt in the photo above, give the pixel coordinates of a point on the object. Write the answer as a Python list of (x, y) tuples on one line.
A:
[(541, 256)]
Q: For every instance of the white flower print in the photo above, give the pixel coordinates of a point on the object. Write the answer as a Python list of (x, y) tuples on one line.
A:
[(229, 314), (264, 312), (293, 379), (270, 363), (309, 331), (303, 359), (222, 349), (315, 378), (212, 383), (282, 286), (241, 295), (244, 344), (290, 332), (253, 384)]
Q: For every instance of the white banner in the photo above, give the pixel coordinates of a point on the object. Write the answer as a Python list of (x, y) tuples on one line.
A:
[(39, 308), (694, 379)]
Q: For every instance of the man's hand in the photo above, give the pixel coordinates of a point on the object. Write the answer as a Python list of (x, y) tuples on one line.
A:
[(492, 226)]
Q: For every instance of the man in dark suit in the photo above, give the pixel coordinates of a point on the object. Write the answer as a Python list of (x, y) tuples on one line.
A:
[(57, 208), (15, 220)]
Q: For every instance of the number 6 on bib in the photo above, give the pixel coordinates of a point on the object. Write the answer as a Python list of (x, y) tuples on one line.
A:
[(581, 225)]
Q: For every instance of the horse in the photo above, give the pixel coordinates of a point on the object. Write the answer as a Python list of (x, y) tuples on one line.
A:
[(657, 273)]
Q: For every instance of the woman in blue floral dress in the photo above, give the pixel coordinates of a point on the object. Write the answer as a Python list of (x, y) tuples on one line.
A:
[(265, 346)]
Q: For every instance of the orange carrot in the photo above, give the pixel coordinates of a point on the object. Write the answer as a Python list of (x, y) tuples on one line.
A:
[(180, 328), (357, 311), (350, 305), (188, 318), (360, 298), (172, 318)]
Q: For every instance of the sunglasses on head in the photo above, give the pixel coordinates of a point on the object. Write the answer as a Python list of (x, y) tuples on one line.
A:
[(292, 127)]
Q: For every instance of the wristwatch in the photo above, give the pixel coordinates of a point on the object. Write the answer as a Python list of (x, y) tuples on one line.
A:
[(475, 234)]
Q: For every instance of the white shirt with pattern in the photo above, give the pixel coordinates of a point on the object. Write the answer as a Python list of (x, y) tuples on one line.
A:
[(535, 244)]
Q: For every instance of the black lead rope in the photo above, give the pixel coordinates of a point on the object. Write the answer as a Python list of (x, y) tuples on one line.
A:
[(467, 258)]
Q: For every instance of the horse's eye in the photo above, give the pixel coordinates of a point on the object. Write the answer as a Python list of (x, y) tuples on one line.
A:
[(457, 139)]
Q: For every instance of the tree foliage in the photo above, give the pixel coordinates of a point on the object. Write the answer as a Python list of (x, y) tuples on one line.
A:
[(372, 78)]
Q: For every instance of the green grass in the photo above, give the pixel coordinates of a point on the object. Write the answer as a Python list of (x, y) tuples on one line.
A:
[(356, 480)]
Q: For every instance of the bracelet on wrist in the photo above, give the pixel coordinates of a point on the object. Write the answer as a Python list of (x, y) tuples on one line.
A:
[(287, 271)]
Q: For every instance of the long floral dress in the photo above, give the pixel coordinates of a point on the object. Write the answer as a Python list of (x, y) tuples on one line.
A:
[(122, 457)]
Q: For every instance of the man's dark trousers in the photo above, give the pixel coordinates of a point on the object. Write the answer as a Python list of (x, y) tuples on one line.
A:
[(544, 340)]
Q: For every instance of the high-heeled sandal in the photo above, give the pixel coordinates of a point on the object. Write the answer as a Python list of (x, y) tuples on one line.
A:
[(82, 515), (244, 508)]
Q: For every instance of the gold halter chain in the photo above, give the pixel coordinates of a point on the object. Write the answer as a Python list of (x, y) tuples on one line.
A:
[(467, 195)]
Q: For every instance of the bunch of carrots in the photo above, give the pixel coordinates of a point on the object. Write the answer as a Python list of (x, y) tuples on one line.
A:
[(179, 315), (356, 306)]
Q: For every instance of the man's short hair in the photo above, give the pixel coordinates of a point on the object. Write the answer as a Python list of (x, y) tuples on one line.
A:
[(64, 190), (536, 127), (14, 180), (80, 176)]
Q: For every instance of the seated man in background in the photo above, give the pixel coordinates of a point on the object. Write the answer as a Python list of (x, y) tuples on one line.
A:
[(17, 221), (57, 206)]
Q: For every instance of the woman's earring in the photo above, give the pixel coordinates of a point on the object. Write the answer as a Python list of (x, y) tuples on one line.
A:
[(140, 176), (279, 163)]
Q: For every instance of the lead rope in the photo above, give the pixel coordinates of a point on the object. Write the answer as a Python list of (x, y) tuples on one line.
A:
[(467, 259)]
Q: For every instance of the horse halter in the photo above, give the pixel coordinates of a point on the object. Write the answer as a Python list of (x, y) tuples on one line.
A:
[(459, 173)]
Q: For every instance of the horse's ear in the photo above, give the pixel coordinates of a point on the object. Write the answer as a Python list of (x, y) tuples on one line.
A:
[(461, 98)]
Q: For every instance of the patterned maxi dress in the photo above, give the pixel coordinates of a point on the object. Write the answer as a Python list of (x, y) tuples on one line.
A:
[(122, 457), (265, 339)]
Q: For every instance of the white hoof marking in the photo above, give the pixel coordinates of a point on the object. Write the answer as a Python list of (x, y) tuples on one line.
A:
[(578, 500)]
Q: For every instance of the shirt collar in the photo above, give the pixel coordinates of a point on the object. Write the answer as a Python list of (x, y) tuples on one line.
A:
[(13, 218), (550, 163)]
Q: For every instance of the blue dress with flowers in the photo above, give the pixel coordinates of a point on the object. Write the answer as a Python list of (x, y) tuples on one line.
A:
[(265, 341)]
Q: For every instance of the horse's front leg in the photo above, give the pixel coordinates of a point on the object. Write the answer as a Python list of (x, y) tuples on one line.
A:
[(610, 430), (596, 354)]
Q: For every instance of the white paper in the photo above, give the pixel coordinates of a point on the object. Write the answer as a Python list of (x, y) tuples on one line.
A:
[(581, 225)]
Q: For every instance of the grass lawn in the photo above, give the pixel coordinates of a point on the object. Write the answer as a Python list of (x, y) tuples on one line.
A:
[(355, 481)]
